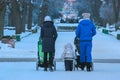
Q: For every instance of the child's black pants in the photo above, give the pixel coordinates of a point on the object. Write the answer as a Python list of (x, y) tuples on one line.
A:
[(68, 65)]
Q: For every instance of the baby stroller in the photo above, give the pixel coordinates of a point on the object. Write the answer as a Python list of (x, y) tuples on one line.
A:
[(40, 58), (77, 52)]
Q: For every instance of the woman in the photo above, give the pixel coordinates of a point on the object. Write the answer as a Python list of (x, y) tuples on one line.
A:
[(85, 31), (48, 36)]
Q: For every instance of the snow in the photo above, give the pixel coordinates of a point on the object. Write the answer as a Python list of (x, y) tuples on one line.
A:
[(26, 71), (104, 47)]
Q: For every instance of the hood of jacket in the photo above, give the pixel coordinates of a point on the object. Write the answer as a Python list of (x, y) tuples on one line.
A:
[(85, 22), (47, 23)]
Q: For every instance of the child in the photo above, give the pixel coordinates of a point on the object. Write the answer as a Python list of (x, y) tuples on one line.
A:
[(68, 56)]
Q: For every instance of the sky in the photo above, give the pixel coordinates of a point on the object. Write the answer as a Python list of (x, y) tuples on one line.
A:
[(104, 47)]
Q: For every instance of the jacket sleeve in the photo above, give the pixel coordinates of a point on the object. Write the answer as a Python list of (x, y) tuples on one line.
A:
[(77, 32), (93, 30), (55, 33), (41, 33)]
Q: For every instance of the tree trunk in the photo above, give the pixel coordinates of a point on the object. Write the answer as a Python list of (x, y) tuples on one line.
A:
[(11, 19), (30, 16), (116, 9), (24, 15), (43, 11), (2, 17), (17, 17), (95, 6)]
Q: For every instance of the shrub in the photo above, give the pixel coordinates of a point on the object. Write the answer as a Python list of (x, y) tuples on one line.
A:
[(118, 36), (105, 31)]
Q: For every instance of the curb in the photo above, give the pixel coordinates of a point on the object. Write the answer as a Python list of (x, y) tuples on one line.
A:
[(35, 59)]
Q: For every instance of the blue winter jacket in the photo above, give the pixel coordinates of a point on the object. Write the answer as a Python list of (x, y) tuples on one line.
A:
[(85, 30)]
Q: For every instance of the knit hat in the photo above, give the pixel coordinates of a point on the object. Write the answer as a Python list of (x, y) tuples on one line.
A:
[(86, 15), (47, 18)]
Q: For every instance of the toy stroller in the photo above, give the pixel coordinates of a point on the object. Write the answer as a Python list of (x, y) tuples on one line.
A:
[(40, 54)]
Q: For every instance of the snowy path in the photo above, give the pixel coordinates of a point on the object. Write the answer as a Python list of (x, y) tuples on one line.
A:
[(26, 71)]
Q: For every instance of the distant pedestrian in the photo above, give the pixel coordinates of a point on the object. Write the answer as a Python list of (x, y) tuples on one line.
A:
[(48, 36), (85, 31), (68, 56)]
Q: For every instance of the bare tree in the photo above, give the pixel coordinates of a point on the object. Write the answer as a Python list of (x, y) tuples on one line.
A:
[(10, 15), (55, 7), (43, 11), (24, 14), (83, 6), (110, 11), (2, 16), (17, 16), (30, 15), (106, 13), (116, 8), (95, 7)]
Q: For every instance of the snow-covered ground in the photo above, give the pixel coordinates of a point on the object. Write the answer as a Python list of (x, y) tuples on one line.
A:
[(26, 71), (104, 47)]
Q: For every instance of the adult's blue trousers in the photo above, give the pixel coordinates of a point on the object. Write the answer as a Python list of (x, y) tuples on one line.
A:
[(85, 51)]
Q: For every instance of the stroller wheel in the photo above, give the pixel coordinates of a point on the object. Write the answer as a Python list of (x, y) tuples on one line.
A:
[(37, 67), (54, 63), (92, 68), (76, 66)]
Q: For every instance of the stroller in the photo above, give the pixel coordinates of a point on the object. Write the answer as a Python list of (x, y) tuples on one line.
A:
[(77, 52), (40, 58)]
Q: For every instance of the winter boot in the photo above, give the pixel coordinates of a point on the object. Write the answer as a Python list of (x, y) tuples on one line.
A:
[(89, 66), (50, 68), (45, 66), (82, 65), (45, 69)]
